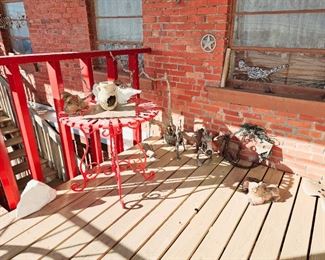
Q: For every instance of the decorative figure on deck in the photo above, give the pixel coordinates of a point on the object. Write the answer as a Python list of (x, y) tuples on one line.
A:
[(260, 193), (203, 141), (257, 73)]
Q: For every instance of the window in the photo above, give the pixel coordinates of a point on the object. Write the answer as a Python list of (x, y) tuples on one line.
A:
[(17, 33), (118, 24), (115, 24), (284, 36)]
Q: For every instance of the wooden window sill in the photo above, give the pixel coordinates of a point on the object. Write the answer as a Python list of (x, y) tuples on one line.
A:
[(268, 101)]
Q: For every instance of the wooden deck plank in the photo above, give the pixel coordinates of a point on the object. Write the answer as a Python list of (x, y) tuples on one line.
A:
[(151, 198), (317, 250), (223, 225), (191, 237), (68, 229), (276, 222), (3, 211), (250, 224), (296, 241), (37, 226), (80, 239), (208, 175), (159, 243), (61, 200)]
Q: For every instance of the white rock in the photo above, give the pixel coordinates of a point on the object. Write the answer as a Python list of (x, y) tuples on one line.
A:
[(35, 196)]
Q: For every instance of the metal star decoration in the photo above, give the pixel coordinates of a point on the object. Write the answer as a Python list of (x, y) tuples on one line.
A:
[(208, 43)]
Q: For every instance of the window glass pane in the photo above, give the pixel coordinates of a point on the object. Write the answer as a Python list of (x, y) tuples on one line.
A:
[(119, 29), (287, 30), (14, 9), (21, 45), (275, 5), (20, 31), (118, 8)]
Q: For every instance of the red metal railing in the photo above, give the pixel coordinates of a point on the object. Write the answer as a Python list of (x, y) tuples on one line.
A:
[(11, 65)]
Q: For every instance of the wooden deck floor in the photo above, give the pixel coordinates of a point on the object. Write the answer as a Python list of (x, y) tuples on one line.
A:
[(186, 212)]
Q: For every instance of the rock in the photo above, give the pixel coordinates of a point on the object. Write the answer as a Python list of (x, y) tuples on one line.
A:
[(34, 197)]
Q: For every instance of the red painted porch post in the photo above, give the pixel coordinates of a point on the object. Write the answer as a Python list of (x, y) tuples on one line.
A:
[(112, 74), (7, 176), (134, 67), (88, 77), (56, 81), (25, 123)]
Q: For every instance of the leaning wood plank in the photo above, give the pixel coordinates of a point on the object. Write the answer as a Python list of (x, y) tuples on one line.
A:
[(250, 224), (208, 175), (219, 227), (61, 200), (275, 224), (317, 251), (139, 199), (36, 227), (159, 243), (114, 233), (297, 238)]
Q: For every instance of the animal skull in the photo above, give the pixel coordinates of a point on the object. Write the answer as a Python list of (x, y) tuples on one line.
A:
[(105, 93)]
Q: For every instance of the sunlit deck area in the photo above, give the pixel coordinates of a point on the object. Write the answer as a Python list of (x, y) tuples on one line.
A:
[(185, 212)]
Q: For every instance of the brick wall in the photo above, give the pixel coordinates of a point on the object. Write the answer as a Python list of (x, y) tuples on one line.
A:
[(57, 26), (174, 32)]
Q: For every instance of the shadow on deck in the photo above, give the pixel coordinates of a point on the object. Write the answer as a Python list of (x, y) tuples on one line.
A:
[(185, 212)]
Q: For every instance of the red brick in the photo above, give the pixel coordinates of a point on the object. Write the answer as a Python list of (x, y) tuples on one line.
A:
[(320, 127)]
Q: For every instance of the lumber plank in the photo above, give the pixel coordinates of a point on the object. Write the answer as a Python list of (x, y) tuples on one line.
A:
[(317, 250), (14, 141), (208, 175), (296, 241), (98, 228), (159, 243), (149, 197), (3, 211), (222, 225), (67, 204), (250, 224), (275, 224)]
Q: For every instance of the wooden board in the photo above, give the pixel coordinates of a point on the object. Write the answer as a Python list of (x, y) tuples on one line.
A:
[(159, 243), (275, 225), (99, 226), (296, 241), (224, 224), (54, 214), (194, 233), (207, 175), (317, 249), (250, 224), (142, 196)]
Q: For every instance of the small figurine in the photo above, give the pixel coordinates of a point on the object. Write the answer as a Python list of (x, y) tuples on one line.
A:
[(257, 73), (260, 193), (203, 144)]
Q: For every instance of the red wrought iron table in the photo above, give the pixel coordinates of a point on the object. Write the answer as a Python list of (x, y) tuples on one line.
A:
[(111, 128)]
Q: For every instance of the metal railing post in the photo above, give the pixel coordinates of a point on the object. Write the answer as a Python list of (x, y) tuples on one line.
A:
[(24, 120), (56, 81)]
